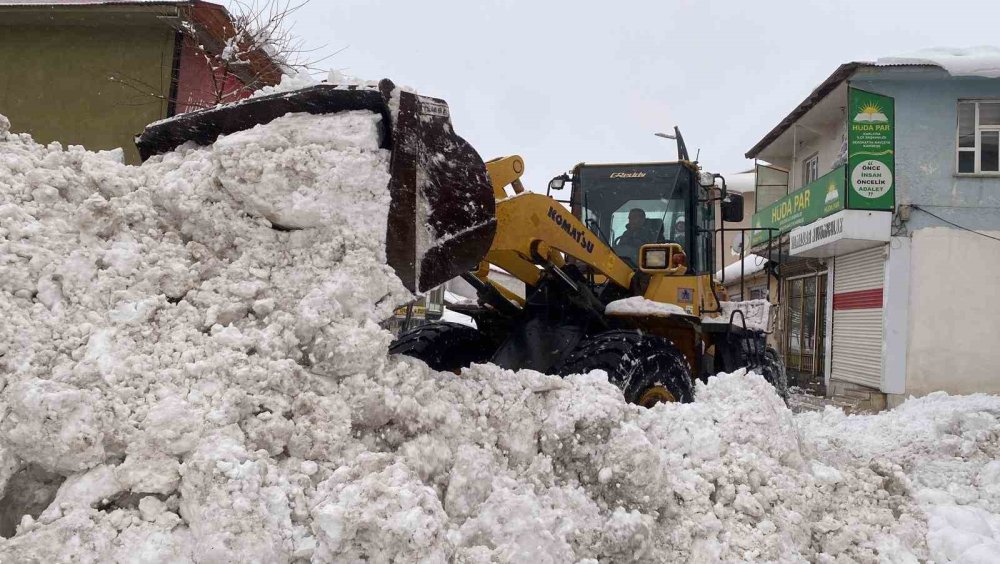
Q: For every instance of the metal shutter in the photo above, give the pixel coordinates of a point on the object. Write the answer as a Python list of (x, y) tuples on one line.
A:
[(858, 281)]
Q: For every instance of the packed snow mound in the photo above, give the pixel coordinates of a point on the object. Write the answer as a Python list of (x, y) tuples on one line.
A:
[(972, 61), (262, 169), (638, 305), (180, 381), (943, 451)]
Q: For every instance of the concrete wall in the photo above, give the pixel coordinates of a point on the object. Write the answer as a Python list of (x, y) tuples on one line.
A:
[(926, 123), (54, 81), (896, 315), (954, 313)]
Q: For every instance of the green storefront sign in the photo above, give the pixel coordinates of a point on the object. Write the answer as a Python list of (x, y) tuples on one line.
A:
[(871, 161), (819, 198)]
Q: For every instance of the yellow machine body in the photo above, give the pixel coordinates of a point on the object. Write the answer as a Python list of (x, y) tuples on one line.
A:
[(638, 306), (534, 229)]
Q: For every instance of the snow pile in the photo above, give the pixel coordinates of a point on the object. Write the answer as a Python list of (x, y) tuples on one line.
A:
[(638, 305), (289, 82), (160, 337), (181, 382), (973, 61), (944, 451)]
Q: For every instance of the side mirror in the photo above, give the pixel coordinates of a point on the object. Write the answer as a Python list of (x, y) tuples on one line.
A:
[(732, 208)]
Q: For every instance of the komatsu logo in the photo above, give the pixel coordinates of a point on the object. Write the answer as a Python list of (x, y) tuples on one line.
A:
[(576, 234), (628, 175)]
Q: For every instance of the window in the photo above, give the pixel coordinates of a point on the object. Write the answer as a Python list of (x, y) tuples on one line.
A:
[(978, 137), (635, 206), (771, 185), (810, 169)]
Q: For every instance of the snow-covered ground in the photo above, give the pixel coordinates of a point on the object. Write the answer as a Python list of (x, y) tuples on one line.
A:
[(180, 382)]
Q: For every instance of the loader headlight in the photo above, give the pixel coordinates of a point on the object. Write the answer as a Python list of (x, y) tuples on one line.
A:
[(654, 258), (668, 258)]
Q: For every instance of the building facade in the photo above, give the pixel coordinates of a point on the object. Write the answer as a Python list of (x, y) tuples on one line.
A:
[(885, 187), (94, 73)]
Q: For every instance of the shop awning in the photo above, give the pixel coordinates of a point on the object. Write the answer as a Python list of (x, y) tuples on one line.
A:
[(843, 232)]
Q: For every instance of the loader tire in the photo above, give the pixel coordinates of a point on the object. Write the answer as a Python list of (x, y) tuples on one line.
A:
[(648, 369), (773, 370), (444, 345)]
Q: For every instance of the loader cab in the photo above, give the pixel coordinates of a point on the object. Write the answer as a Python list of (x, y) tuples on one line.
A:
[(629, 205)]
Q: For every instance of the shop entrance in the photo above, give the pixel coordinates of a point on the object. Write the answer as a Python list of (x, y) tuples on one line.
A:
[(805, 337)]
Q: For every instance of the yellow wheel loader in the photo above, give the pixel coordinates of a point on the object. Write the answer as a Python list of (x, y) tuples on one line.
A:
[(617, 278)]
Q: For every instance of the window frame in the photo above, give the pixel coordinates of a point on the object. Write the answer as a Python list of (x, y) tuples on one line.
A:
[(977, 132), (814, 160)]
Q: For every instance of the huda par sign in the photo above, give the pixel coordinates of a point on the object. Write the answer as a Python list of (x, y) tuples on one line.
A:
[(815, 200), (871, 150)]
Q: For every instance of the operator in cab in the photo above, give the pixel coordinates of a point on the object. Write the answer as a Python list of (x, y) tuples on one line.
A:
[(679, 231), (637, 233)]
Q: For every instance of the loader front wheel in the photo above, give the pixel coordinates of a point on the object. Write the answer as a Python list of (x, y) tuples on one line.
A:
[(444, 345), (773, 370), (648, 369)]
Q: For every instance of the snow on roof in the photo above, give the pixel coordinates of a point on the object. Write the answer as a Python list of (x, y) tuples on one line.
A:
[(741, 182), (752, 264), (982, 61)]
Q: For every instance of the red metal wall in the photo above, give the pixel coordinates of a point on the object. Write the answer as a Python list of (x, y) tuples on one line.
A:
[(198, 86)]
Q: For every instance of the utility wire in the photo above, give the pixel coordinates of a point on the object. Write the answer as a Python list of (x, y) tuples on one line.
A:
[(916, 207), (958, 207)]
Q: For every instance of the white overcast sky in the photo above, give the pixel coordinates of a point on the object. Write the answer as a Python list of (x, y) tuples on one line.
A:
[(564, 82)]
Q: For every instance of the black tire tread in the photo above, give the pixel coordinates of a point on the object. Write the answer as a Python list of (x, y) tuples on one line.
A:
[(444, 345), (773, 371), (633, 361)]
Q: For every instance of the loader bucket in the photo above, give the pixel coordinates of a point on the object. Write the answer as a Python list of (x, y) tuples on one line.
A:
[(441, 218)]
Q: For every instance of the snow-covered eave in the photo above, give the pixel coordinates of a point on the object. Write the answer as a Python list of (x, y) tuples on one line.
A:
[(750, 265), (742, 182)]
